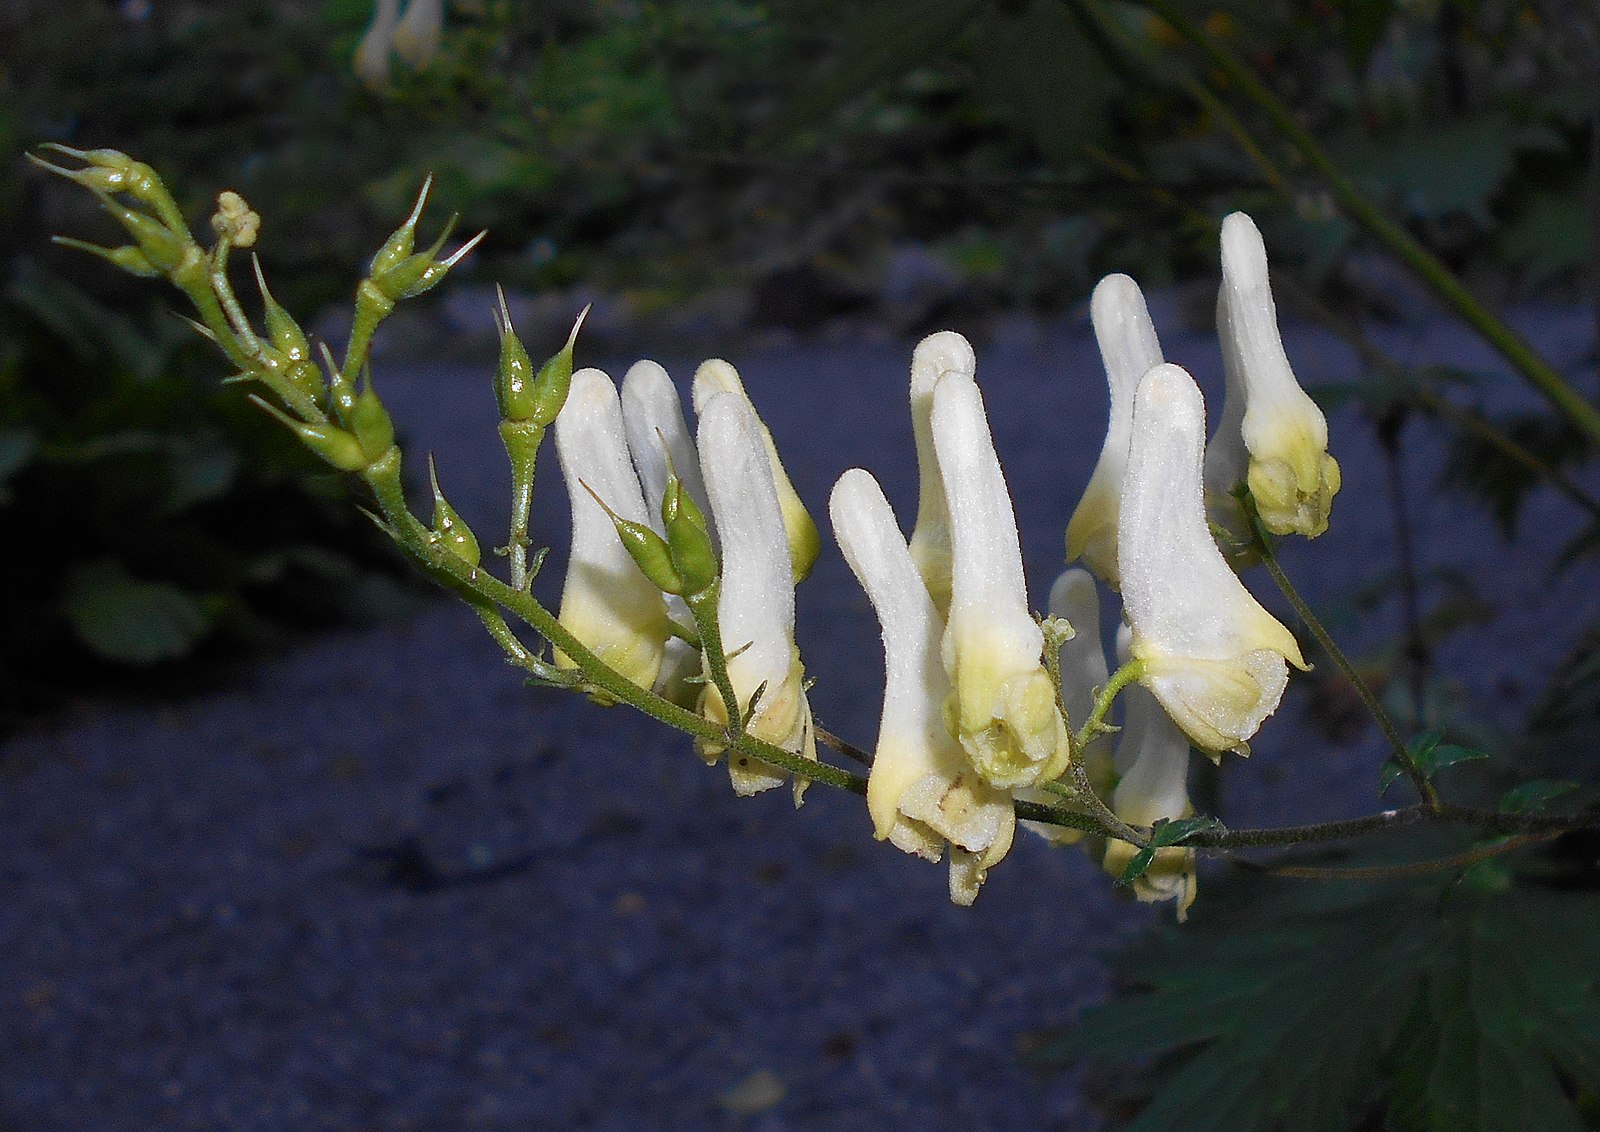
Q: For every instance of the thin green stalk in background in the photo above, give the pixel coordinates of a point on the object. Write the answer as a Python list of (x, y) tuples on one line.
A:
[(1507, 342)]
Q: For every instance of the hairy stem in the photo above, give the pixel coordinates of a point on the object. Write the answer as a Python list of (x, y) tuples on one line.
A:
[(1397, 745)]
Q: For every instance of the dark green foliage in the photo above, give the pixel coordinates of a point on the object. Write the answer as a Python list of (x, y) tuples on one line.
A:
[(150, 513), (1469, 1006), (1479, 469)]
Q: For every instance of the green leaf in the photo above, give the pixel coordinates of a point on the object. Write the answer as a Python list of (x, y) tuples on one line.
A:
[(1179, 830), (1508, 1012), (1272, 1008), (129, 621), (1136, 867), (1431, 754), (1535, 795), (1283, 1005)]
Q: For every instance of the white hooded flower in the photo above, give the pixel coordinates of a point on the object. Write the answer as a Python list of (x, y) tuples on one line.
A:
[(1212, 655), (377, 44), (717, 376), (1128, 348), (1003, 707), (1272, 436), (606, 602), (923, 790), (417, 35), (659, 441), (935, 356), (1154, 756), (755, 608)]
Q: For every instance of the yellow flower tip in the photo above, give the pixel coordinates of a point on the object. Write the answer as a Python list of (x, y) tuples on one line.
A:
[(1220, 704), (1291, 500), (1271, 435), (1010, 727)]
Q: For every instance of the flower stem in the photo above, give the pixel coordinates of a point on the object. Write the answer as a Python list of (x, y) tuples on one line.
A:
[(1397, 745)]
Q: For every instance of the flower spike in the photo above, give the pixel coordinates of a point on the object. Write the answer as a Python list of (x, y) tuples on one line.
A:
[(606, 602), (1272, 436), (1128, 348), (1003, 708), (935, 356), (755, 608), (1211, 654), (922, 790)]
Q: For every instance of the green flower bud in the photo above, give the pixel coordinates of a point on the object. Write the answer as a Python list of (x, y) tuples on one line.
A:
[(453, 534), (127, 257), (513, 379), (370, 422), (282, 329), (647, 549), (341, 395), (333, 444), (554, 378), (109, 171), (399, 245), (692, 553), (163, 248)]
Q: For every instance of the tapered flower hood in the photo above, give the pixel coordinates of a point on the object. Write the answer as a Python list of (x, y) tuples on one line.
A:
[(1003, 707), (755, 606), (1272, 436), (923, 790), (1128, 348), (1213, 657)]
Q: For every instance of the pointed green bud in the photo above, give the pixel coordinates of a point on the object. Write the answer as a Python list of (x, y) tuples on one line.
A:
[(399, 245), (453, 534), (341, 395), (436, 269), (282, 329), (554, 378), (647, 549), (127, 257), (109, 171), (370, 422), (333, 444), (513, 379), (692, 553), (161, 246)]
